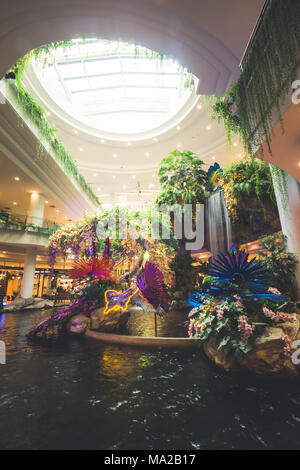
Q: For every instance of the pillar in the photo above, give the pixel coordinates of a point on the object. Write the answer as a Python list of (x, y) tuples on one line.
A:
[(36, 208), (29, 271), (287, 192)]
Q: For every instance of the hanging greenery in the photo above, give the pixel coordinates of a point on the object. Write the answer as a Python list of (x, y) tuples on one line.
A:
[(280, 180), (266, 78), (38, 116), (250, 199)]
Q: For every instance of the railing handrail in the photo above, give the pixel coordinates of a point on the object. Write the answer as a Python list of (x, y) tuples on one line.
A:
[(25, 221), (253, 35)]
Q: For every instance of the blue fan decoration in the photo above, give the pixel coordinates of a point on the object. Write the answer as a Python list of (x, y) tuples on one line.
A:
[(250, 279)]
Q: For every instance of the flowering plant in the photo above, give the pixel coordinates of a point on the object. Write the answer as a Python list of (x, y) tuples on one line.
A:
[(234, 321)]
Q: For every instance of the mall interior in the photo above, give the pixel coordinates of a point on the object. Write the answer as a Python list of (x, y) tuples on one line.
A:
[(121, 106)]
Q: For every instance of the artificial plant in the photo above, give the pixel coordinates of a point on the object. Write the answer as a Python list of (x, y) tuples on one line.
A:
[(236, 304), (281, 263)]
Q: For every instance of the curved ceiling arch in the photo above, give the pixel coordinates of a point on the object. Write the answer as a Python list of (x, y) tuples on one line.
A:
[(154, 24)]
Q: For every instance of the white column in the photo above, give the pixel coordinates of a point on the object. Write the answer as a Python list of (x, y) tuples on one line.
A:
[(36, 208), (29, 271), (287, 191)]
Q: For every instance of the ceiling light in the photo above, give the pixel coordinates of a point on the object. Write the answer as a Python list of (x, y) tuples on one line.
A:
[(178, 128), (147, 154), (199, 106), (151, 185), (57, 210), (235, 144), (133, 177), (208, 128), (46, 202), (114, 155), (76, 131), (114, 176), (153, 176), (81, 149), (178, 145), (213, 158), (102, 141), (48, 113), (155, 139), (16, 178), (14, 203), (98, 189), (95, 174), (299, 164), (124, 186), (128, 143)]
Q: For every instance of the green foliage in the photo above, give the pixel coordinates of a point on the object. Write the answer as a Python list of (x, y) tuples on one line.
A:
[(250, 198), (223, 111), (38, 117), (281, 264), (266, 78), (234, 323), (279, 178), (182, 179), (185, 276)]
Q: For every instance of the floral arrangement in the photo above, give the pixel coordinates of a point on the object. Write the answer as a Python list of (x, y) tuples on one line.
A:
[(235, 322), (78, 240), (237, 304)]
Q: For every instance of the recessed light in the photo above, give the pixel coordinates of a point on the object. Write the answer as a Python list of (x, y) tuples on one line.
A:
[(299, 164), (81, 149), (178, 146), (235, 144), (199, 106), (102, 141), (151, 185), (115, 155), (133, 177), (66, 218), (155, 139), (16, 178), (95, 174), (213, 158), (75, 132), (147, 154), (124, 186), (208, 128), (48, 113), (114, 176), (46, 202), (129, 144), (153, 176), (57, 210), (14, 203), (98, 189), (178, 128)]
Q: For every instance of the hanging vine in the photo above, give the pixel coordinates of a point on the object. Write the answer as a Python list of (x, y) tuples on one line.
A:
[(266, 79)]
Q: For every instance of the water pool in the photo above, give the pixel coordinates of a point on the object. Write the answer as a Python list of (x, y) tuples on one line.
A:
[(80, 394)]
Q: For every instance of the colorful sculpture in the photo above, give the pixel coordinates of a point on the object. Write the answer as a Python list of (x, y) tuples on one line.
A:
[(214, 176)]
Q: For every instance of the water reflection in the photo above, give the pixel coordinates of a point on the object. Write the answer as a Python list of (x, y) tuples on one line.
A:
[(79, 394)]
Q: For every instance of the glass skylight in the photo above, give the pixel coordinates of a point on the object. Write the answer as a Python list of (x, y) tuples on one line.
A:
[(116, 87)]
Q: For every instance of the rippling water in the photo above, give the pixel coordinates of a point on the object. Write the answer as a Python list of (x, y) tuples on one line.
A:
[(80, 394)]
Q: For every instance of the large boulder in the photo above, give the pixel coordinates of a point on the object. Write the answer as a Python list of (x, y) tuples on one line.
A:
[(109, 322), (267, 356), (27, 304), (78, 324)]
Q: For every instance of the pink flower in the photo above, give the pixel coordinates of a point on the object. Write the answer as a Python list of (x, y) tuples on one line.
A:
[(288, 345), (269, 313), (246, 330), (285, 317), (220, 313), (273, 290), (238, 303)]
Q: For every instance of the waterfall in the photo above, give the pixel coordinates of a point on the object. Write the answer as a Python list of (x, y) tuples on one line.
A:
[(218, 224)]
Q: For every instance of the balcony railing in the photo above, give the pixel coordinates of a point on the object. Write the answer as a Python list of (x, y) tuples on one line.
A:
[(25, 223)]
